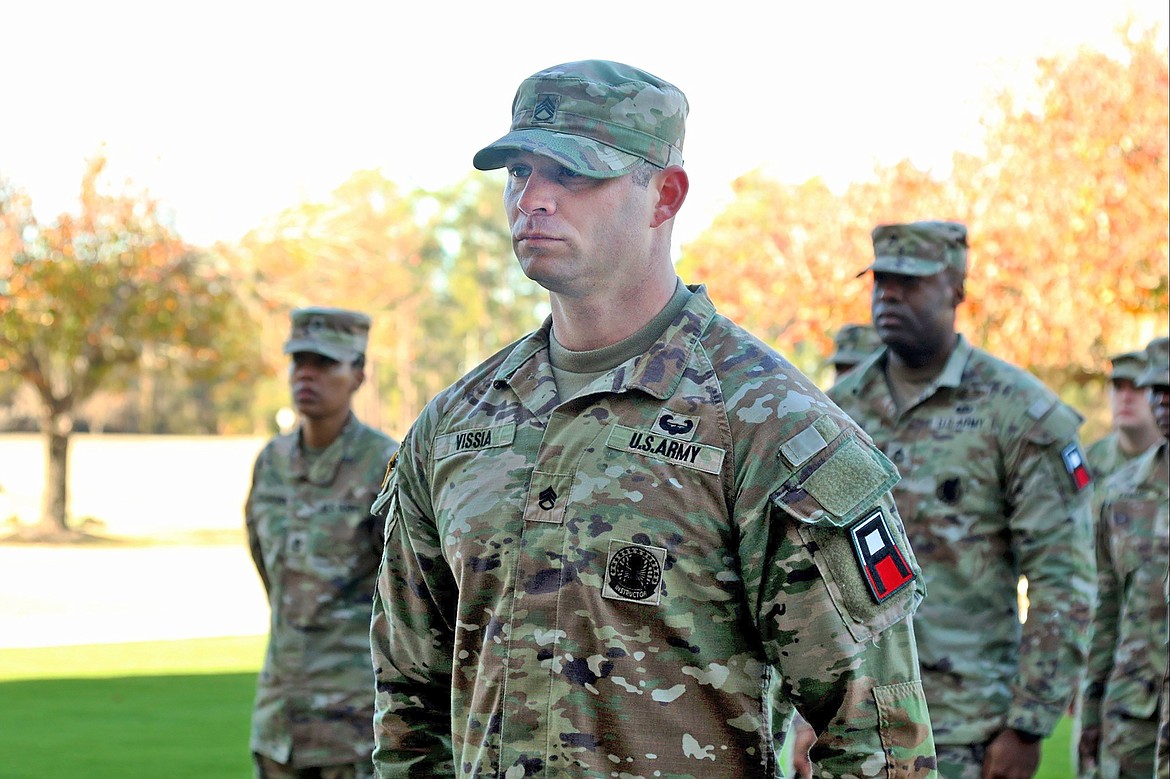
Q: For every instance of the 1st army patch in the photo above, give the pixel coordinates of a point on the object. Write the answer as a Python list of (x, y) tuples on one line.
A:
[(882, 564), (1074, 464)]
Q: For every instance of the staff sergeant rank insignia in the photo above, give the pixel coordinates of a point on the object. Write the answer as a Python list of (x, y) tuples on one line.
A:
[(881, 561), (546, 108)]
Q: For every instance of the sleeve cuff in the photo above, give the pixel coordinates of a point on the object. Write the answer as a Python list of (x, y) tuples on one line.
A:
[(1033, 717)]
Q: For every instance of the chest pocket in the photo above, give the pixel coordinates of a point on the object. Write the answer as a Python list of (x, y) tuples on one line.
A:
[(271, 504), (1140, 541)]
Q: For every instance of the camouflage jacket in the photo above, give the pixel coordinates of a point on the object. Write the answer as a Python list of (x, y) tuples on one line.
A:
[(1105, 457), (993, 486), (1128, 659), (613, 583), (317, 550)]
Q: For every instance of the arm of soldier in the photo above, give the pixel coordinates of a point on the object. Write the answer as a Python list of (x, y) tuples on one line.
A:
[(860, 688), (1104, 641), (848, 656), (250, 526), (411, 638), (1052, 537)]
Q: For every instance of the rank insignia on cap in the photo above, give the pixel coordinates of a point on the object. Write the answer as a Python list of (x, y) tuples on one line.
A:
[(1074, 463), (881, 560), (546, 108)]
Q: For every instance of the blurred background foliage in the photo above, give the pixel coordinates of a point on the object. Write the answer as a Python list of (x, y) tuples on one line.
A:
[(110, 322)]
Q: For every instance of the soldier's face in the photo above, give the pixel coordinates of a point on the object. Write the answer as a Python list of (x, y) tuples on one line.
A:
[(1129, 404), (1159, 397), (321, 387), (914, 315), (573, 234)]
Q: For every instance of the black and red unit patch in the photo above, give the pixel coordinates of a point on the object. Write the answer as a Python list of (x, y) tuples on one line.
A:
[(882, 563), (1074, 463)]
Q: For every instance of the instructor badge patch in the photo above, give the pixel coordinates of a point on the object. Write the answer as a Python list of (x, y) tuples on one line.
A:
[(882, 564), (633, 572)]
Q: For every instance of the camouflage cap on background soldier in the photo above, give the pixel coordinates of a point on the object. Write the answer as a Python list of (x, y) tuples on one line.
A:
[(919, 248), (1157, 372), (597, 118), (853, 343), (1127, 366), (336, 333)]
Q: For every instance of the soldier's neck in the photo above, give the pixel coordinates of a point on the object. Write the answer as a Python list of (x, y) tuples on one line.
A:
[(320, 432), (1134, 442)]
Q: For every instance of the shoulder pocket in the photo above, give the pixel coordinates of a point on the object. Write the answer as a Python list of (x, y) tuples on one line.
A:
[(1053, 422), (835, 484), (1055, 431)]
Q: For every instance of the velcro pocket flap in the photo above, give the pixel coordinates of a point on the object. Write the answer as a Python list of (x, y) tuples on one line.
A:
[(836, 484)]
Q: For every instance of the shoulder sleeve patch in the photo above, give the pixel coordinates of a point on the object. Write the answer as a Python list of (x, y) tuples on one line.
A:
[(385, 490), (882, 562), (869, 570), (837, 482)]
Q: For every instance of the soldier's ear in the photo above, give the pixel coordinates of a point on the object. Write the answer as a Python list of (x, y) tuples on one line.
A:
[(672, 185), (958, 287)]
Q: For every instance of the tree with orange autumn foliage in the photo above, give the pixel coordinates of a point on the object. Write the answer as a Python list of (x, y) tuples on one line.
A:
[(1067, 211), (83, 297), (433, 269)]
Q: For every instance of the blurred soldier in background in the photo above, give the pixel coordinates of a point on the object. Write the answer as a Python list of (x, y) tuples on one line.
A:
[(1124, 692), (601, 554), (317, 548), (1134, 430), (853, 343), (994, 485)]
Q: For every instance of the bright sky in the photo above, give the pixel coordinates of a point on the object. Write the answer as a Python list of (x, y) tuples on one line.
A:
[(230, 112)]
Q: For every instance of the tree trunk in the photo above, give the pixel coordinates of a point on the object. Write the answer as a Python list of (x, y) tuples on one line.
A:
[(55, 500)]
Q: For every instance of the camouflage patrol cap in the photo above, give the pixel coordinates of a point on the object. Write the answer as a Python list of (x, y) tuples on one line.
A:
[(1157, 372), (1127, 366), (854, 343), (597, 118), (333, 332), (919, 248)]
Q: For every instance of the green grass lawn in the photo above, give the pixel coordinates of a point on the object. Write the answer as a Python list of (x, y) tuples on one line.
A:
[(175, 709), (121, 711)]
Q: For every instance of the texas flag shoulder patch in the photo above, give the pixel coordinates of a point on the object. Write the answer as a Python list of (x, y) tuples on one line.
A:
[(883, 565), (1075, 465)]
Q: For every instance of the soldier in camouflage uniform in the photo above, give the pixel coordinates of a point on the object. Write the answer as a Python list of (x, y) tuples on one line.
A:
[(994, 486), (608, 541), (1134, 430), (1127, 663), (317, 548), (852, 344)]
